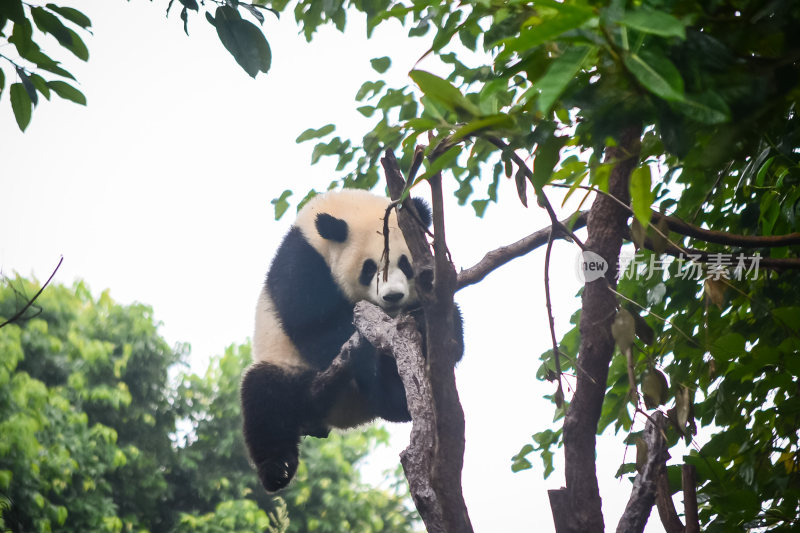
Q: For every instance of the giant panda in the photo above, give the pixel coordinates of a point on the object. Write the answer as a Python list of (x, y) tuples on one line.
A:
[(330, 259)]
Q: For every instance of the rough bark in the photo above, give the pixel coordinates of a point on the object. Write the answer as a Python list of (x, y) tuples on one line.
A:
[(607, 224), (643, 494), (665, 505), (689, 480), (401, 338), (436, 284)]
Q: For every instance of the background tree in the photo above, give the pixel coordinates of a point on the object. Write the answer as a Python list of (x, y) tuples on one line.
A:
[(90, 418)]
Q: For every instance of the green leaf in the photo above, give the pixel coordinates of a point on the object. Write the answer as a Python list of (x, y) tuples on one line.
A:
[(654, 22), (522, 186), (480, 207), (441, 162), (67, 91), (560, 73), (256, 13), (311, 133), (655, 389), (494, 121), (22, 37), (72, 15), (366, 110), (44, 62), (641, 194), (41, 85), (12, 10), (49, 23), (21, 105), (369, 89), (381, 64), (421, 124), (770, 211), (566, 17), (625, 468), (547, 155), (728, 347), (520, 464), (28, 84), (623, 329), (243, 40), (657, 74), (77, 46), (706, 108), (281, 204), (443, 92)]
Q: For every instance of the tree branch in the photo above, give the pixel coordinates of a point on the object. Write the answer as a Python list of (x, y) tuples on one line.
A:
[(702, 256), (729, 239), (689, 481), (441, 347), (18, 315), (400, 338), (436, 284), (717, 237), (665, 505), (499, 257), (505, 254), (643, 494), (606, 224)]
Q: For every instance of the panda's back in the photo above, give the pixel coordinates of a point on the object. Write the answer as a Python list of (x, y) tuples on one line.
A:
[(270, 342)]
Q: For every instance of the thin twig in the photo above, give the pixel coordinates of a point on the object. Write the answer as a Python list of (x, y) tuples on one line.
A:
[(551, 320), (21, 312), (547, 205), (717, 237)]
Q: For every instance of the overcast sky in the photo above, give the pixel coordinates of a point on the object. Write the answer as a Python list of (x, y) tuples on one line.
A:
[(160, 190)]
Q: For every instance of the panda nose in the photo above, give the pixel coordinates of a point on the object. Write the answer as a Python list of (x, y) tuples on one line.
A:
[(393, 297)]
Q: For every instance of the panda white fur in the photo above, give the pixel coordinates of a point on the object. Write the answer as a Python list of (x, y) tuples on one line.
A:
[(329, 260)]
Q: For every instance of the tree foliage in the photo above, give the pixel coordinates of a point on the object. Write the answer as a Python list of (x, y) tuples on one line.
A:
[(25, 25), (32, 66), (709, 89), (104, 430)]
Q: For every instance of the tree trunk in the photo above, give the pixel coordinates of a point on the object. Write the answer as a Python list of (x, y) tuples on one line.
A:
[(607, 224)]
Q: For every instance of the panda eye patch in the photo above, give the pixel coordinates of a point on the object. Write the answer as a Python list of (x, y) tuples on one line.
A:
[(368, 269), (405, 266)]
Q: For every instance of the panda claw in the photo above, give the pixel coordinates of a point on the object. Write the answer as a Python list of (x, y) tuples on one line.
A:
[(275, 474)]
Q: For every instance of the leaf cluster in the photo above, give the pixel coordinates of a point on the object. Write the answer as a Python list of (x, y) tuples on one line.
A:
[(20, 24), (24, 25)]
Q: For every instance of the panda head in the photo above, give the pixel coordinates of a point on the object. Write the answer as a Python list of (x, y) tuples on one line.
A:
[(346, 228)]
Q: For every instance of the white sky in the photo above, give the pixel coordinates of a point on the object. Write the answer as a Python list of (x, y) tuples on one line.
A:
[(160, 190)]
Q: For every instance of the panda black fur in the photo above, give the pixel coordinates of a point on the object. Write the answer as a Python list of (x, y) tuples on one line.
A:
[(328, 261)]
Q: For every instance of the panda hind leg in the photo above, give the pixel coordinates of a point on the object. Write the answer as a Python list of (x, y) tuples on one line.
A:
[(274, 410), (379, 382)]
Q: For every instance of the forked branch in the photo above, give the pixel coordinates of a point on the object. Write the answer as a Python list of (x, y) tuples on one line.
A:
[(436, 284)]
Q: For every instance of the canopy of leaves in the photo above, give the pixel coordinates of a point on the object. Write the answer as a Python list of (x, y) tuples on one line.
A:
[(98, 437)]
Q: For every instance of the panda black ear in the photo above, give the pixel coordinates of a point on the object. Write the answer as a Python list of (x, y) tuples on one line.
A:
[(331, 228), (424, 211)]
